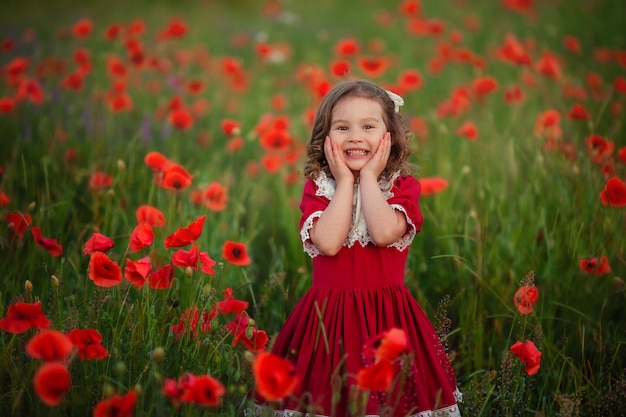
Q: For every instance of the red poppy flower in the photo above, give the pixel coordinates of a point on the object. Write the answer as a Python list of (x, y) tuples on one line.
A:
[(549, 65), (513, 94), (236, 253), (98, 243), (373, 67), (528, 353), (513, 51), (103, 271), (185, 235), (162, 278), (119, 102), (157, 161), (256, 341), (174, 177), (410, 80), (52, 381), (184, 258), (4, 199), (73, 81), (24, 316), (276, 140), (17, 66), (176, 388), (150, 215), (433, 185), (483, 86), (204, 390), (386, 346), (207, 263), (547, 124), (621, 154), (116, 406), (99, 180), (30, 90), (137, 272), (215, 196), (347, 47), (595, 266), (340, 68), (89, 344), (274, 377), (525, 298), (598, 148), (7, 104), (377, 377), (18, 222), (82, 28), (619, 84), (50, 346), (468, 130), (51, 245), (272, 163), (411, 8), (181, 119), (578, 112), (230, 304), (141, 237), (571, 43), (230, 127), (188, 323)]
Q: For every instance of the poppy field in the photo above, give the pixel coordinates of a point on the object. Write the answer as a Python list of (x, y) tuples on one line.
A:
[(151, 159)]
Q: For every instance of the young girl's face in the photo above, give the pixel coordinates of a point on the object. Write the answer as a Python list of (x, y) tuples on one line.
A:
[(357, 126)]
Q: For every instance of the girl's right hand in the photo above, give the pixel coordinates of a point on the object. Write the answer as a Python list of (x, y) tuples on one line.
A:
[(336, 163)]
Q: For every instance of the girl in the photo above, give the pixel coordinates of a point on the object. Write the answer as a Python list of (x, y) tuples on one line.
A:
[(360, 213)]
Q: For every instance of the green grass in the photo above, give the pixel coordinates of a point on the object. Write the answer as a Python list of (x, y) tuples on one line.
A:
[(511, 208)]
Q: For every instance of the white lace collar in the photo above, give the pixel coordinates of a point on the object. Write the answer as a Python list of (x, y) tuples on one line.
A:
[(358, 228)]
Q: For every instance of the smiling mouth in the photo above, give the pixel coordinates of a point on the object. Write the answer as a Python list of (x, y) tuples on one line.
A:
[(356, 152)]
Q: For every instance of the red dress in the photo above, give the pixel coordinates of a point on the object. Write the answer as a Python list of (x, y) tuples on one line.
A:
[(356, 295)]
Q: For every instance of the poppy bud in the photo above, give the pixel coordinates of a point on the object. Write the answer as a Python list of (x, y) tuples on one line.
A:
[(55, 281), (189, 272), (120, 368), (108, 390), (110, 192), (249, 356), (138, 389), (31, 206), (207, 290), (121, 165), (158, 354), (251, 322), (28, 286)]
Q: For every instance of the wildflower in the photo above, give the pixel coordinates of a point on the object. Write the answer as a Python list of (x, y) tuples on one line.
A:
[(50, 346), (176, 388), (347, 47), (156, 161), (236, 253), (513, 94), (525, 298), (410, 80), (51, 245), (598, 148), (141, 237), (7, 105), (174, 177), (24, 316), (162, 278), (379, 376), (230, 127), (578, 112), (595, 266), (103, 271), (572, 44), (433, 185), (116, 406), (175, 29), (528, 353), (215, 196), (99, 180), (18, 222), (387, 345), (468, 130), (82, 28), (188, 323), (137, 272), (483, 86), (185, 235), (181, 119), (151, 215), (230, 304), (97, 243), (340, 68), (373, 67), (274, 377), (52, 381), (89, 344), (204, 390)]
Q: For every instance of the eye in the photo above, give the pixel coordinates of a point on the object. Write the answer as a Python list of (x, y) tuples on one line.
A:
[(368, 127), (342, 128)]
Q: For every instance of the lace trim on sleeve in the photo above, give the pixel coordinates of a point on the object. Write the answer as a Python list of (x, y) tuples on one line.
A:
[(305, 236), (405, 241)]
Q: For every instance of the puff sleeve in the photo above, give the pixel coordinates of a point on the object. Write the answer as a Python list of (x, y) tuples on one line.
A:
[(312, 207), (405, 198)]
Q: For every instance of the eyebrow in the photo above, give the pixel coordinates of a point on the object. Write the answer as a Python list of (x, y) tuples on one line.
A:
[(367, 119)]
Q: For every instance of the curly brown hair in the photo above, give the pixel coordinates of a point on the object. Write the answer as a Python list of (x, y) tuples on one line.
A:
[(396, 125)]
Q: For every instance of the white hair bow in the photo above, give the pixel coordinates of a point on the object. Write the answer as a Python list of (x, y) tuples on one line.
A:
[(397, 100)]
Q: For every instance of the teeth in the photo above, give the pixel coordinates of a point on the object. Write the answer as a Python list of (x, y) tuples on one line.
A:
[(356, 152)]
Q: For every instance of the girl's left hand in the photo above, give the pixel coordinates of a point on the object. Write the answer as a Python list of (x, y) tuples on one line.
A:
[(378, 162)]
